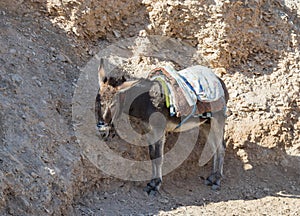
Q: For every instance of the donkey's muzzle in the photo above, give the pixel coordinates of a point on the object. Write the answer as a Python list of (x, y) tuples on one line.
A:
[(100, 124), (103, 129)]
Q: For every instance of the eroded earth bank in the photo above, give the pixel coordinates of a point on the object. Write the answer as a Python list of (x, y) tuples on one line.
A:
[(44, 46)]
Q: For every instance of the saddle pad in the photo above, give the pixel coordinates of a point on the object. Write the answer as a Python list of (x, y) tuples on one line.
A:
[(183, 98)]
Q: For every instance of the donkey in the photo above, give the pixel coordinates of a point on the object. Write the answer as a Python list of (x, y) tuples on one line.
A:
[(113, 98)]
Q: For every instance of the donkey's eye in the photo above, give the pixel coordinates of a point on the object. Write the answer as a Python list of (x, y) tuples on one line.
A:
[(105, 79)]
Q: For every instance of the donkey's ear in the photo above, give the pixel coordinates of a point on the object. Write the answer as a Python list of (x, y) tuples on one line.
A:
[(101, 73)]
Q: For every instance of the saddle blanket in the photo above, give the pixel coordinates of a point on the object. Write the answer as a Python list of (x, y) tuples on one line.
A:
[(204, 82), (197, 85)]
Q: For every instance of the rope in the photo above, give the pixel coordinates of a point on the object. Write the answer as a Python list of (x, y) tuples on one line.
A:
[(187, 118)]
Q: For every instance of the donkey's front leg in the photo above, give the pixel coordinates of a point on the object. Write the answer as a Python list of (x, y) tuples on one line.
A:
[(156, 156)]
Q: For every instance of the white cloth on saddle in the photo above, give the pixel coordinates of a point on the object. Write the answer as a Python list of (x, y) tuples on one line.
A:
[(199, 83), (190, 96), (205, 83)]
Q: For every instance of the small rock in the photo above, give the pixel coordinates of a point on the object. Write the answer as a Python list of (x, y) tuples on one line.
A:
[(34, 175), (61, 58), (12, 51), (143, 33), (25, 202), (46, 210), (247, 166), (64, 58), (11, 211), (234, 94), (37, 14), (16, 78), (117, 33), (42, 124), (164, 200), (91, 52), (39, 83), (51, 171), (266, 189), (284, 162)]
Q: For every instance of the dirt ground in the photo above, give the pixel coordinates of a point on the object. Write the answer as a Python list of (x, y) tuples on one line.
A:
[(44, 47)]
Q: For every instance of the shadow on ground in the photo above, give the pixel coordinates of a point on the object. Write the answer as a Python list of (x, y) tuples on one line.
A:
[(270, 172)]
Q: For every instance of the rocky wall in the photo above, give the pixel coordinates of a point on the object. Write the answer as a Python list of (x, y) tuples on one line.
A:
[(91, 20)]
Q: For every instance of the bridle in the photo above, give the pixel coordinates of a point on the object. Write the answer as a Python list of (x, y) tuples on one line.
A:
[(104, 127), (113, 109)]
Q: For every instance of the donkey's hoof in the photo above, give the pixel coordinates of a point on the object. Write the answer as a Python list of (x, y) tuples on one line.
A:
[(151, 191), (208, 182), (215, 187), (153, 186), (214, 180), (148, 189)]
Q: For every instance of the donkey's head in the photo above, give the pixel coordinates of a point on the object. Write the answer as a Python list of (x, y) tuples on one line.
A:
[(106, 106)]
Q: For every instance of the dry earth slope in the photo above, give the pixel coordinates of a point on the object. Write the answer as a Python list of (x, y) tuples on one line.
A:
[(44, 43)]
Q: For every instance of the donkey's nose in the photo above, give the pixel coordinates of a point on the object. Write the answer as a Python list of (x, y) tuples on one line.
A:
[(100, 124)]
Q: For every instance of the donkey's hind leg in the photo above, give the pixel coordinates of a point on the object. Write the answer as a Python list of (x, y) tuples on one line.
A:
[(156, 156), (217, 133), (214, 180)]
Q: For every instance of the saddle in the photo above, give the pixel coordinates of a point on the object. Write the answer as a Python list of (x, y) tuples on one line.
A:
[(193, 91)]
